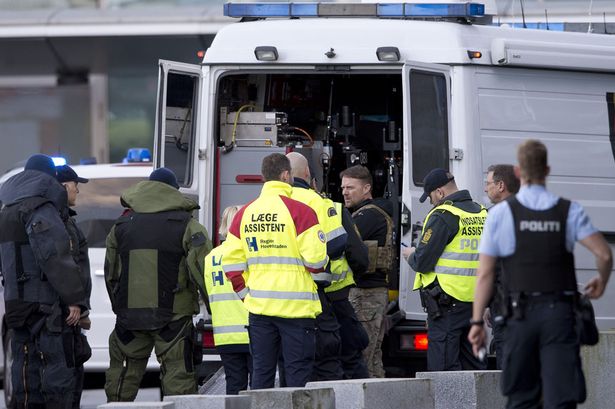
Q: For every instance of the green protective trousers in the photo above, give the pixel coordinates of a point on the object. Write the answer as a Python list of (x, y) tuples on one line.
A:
[(130, 350)]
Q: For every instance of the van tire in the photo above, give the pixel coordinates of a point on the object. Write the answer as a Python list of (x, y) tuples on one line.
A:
[(9, 399)]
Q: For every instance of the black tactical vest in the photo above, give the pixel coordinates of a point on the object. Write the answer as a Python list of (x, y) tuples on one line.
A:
[(541, 262), (25, 285), (151, 255)]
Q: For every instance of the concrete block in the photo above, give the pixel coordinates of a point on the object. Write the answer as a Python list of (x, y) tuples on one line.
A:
[(209, 401), (380, 393), (292, 398), (598, 364), (466, 389), (137, 405)]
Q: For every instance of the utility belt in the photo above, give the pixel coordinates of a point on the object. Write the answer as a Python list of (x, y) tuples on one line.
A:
[(435, 301), (519, 301)]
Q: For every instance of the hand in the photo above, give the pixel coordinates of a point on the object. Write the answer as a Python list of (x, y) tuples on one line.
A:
[(487, 317), (74, 313), (477, 337), (595, 287), (406, 252)]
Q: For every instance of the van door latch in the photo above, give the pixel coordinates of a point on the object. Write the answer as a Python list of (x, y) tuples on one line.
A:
[(202, 154), (455, 154)]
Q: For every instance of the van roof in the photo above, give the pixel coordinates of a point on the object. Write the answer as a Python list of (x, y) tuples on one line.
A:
[(305, 41)]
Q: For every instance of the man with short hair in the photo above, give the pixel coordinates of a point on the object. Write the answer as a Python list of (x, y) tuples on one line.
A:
[(276, 256), (445, 261), (153, 269), (501, 182), (79, 250), (373, 218), (43, 292), (534, 232)]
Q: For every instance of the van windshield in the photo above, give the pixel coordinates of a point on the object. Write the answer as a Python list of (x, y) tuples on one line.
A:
[(98, 206)]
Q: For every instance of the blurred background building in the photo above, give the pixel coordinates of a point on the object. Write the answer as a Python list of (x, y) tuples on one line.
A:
[(78, 78)]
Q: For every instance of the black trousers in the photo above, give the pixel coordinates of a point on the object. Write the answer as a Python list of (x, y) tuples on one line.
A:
[(295, 337), (354, 340), (327, 363), (542, 366), (237, 370), (449, 348)]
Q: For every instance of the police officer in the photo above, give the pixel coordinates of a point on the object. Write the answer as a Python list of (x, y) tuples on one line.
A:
[(500, 184), (279, 246), (445, 260), (534, 232), (327, 364), (43, 293), (153, 268), (229, 316), (370, 297), (79, 250)]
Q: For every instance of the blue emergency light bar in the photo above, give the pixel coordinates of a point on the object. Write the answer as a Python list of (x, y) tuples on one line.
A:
[(381, 10)]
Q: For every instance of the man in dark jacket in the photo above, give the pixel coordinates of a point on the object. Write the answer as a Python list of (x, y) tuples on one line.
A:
[(370, 297), (43, 292), (79, 250), (153, 268)]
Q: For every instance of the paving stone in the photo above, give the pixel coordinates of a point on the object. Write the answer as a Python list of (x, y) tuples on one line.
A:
[(598, 364), (292, 398), (466, 389), (137, 405), (209, 401), (380, 393)]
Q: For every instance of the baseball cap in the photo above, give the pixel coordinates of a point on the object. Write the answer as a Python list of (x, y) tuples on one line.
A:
[(42, 163), (435, 178), (164, 175), (68, 174)]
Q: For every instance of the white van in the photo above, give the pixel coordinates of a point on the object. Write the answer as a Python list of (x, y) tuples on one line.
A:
[(400, 89)]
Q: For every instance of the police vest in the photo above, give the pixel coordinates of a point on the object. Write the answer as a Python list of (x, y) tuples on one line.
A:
[(154, 284), (25, 286), (541, 262), (380, 257), (229, 317), (341, 273), (456, 267), (278, 245)]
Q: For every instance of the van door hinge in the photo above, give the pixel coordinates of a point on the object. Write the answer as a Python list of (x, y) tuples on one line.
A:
[(202, 154), (455, 154)]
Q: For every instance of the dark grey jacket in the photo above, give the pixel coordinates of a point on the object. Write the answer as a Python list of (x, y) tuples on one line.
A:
[(40, 274)]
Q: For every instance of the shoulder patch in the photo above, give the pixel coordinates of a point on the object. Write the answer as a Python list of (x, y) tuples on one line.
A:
[(321, 236), (426, 236), (331, 212), (198, 239)]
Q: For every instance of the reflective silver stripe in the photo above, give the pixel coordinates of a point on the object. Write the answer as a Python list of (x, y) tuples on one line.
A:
[(320, 264), (449, 255), (243, 293), (223, 297), (275, 260), (340, 231), (234, 267), (456, 271), (322, 276), (340, 276), (284, 295), (227, 329)]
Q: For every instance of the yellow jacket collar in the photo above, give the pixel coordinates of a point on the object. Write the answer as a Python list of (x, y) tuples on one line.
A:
[(276, 187)]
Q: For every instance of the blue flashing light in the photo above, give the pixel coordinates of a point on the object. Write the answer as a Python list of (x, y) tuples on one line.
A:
[(384, 10), (136, 155), (58, 161)]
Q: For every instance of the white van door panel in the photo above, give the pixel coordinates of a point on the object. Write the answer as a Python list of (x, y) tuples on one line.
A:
[(426, 110)]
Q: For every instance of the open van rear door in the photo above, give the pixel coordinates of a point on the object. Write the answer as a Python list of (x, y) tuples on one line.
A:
[(177, 134), (426, 146)]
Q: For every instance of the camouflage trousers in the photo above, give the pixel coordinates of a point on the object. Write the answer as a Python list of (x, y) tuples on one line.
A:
[(130, 350), (370, 305)]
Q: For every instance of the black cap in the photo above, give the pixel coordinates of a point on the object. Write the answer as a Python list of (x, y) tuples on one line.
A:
[(68, 174), (435, 178), (42, 163), (164, 175)]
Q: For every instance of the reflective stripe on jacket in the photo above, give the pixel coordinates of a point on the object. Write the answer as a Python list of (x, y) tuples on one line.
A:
[(282, 246), (229, 316), (456, 267), (341, 272)]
